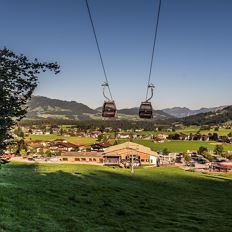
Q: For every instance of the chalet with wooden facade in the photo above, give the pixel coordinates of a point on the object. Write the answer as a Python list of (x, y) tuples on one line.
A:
[(129, 152), (119, 155)]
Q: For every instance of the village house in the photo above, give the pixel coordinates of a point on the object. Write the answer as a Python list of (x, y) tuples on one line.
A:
[(160, 138), (95, 134), (60, 145), (63, 145), (37, 145), (37, 132), (123, 136), (204, 138), (99, 146), (183, 136)]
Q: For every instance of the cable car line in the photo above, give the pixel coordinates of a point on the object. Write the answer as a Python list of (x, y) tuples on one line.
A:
[(109, 107), (153, 48), (145, 109), (98, 47)]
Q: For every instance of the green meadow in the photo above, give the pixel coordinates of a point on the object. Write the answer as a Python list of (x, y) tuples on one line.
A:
[(189, 130), (181, 146), (194, 130), (71, 139), (61, 197)]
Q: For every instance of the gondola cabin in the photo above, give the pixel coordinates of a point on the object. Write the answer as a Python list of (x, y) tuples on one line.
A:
[(145, 110), (109, 109)]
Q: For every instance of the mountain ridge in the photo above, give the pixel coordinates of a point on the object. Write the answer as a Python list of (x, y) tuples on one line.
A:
[(220, 116), (181, 112), (43, 107)]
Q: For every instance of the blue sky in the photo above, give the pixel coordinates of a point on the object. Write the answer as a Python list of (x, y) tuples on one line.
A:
[(192, 64)]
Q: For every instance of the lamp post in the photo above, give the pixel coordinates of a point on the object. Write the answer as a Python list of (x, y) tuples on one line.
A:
[(131, 155)]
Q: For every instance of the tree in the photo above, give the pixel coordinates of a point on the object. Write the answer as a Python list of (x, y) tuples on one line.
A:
[(18, 80), (207, 156), (215, 137), (20, 146), (227, 155), (105, 139), (18, 131), (187, 157), (51, 130), (100, 137), (48, 153), (61, 131), (201, 150), (218, 149), (165, 151)]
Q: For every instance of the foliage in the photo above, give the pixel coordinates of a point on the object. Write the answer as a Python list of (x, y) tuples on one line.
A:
[(165, 151), (175, 136), (21, 147), (147, 125), (18, 79), (48, 153), (100, 137), (201, 150), (207, 156), (227, 155), (210, 118), (187, 157), (18, 131), (214, 137), (218, 149)]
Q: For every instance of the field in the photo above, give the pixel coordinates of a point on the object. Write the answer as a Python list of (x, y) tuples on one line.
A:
[(71, 139), (194, 130), (56, 198), (172, 146), (189, 130), (181, 146)]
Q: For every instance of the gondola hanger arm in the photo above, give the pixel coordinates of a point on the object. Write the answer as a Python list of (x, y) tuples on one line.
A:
[(105, 85), (151, 87)]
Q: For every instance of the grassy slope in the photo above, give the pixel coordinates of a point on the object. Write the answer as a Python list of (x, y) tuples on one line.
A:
[(72, 139), (181, 146), (89, 198), (189, 130), (193, 130), (178, 146)]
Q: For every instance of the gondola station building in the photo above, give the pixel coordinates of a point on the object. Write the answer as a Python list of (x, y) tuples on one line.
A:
[(124, 153)]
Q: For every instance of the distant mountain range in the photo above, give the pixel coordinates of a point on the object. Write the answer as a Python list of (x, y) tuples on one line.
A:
[(181, 112), (210, 118), (43, 107)]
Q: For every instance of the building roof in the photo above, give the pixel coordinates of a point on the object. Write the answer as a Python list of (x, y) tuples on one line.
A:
[(62, 144), (103, 145), (130, 146)]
